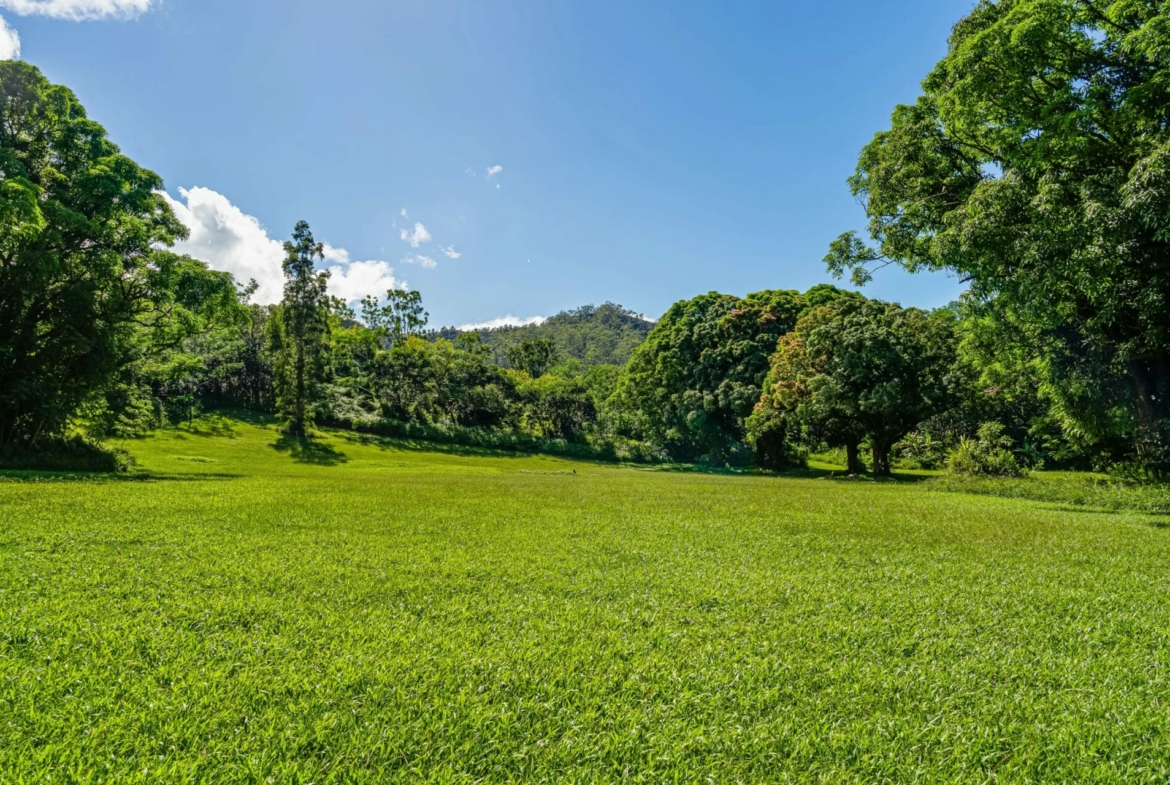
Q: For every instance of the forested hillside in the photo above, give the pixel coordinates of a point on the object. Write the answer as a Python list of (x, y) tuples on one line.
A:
[(595, 335)]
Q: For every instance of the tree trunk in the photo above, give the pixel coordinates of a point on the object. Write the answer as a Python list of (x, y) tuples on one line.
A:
[(299, 401), (853, 453), (1151, 379), (881, 459)]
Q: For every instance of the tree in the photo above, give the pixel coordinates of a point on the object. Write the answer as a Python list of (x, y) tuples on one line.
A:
[(399, 318), (300, 334), (556, 406), (1036, 164), (861, 370), (82, 281), (689, 388), (533, 356)]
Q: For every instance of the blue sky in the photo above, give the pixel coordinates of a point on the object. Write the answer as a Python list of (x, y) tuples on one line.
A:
[(648, 151)]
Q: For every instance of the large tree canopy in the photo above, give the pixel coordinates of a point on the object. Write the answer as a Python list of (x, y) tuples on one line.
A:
[(690, 386), (80, 273), (1037, 165), (855, 371)]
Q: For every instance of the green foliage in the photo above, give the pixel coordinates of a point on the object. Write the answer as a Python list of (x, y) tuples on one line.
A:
[(82, 284), (533, 356), (1036, 165), (300, 332), (438, 383), (859, 370), (556, 406), (989, 454), (401, 614), (397, 318), (921, 450), (690, 387), (1053, 392)]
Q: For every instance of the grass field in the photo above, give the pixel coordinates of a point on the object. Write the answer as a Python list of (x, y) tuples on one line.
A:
[(251, 609)]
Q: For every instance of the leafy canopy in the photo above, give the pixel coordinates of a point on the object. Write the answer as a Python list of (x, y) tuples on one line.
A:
[(857, 371), (84, 289), (689, 388), (1036, 164)]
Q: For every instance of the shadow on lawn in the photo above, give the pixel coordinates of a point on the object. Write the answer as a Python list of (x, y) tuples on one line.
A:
[(840, 475), (304, 449), (17, 476), (406, 444)]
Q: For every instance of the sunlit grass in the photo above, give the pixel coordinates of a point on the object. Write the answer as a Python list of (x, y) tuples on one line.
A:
[(252, 609)]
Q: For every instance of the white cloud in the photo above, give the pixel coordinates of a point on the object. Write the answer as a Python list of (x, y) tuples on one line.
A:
[(416, 238), (228, 239), (355, 280), (79, 10), (336, 254), (494, 170), (403, 213), (423, 261), (503, 321), (450, 252), (9, 41)]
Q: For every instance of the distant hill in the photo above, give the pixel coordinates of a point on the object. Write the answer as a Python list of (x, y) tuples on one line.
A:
[(595, 335)]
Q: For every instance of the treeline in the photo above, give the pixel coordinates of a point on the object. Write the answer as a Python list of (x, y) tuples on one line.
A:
[(1040, 176)]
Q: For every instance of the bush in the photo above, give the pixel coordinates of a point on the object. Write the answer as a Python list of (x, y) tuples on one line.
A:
[(920, 450), (987, 455), (65, 455)]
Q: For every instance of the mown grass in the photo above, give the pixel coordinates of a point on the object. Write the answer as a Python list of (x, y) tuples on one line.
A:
[(1094, 491), (348, 610)]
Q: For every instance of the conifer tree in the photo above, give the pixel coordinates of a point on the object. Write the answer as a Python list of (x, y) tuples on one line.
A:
[(300, 334)]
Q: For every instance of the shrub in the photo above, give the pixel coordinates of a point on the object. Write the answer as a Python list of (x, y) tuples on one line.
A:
[(987, 455), (920, 450)]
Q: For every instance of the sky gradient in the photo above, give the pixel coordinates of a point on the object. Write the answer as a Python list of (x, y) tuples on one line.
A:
[(546, 155)]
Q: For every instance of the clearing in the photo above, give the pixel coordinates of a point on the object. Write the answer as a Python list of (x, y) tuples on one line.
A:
[(255, 609)]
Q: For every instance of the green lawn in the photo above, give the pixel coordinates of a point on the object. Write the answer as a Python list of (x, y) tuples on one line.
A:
[(255, 610)]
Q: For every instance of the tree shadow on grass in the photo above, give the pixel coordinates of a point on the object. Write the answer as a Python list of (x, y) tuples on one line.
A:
[(305, 449), (28, 477), (210, 426), (841, 475), (407, 444)]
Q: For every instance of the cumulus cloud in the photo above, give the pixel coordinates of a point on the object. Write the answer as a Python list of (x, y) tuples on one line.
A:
[(9, 41), (503, 321), (494, 170), (228, 239), (416, 238), (403, 213), (450, 252), (355, 280), (79, 10)]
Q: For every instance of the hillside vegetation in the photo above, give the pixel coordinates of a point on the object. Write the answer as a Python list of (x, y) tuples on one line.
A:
[(250, 607), (593, 335)]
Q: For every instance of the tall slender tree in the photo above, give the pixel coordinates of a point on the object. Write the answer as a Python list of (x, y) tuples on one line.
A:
[(300, 336)]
